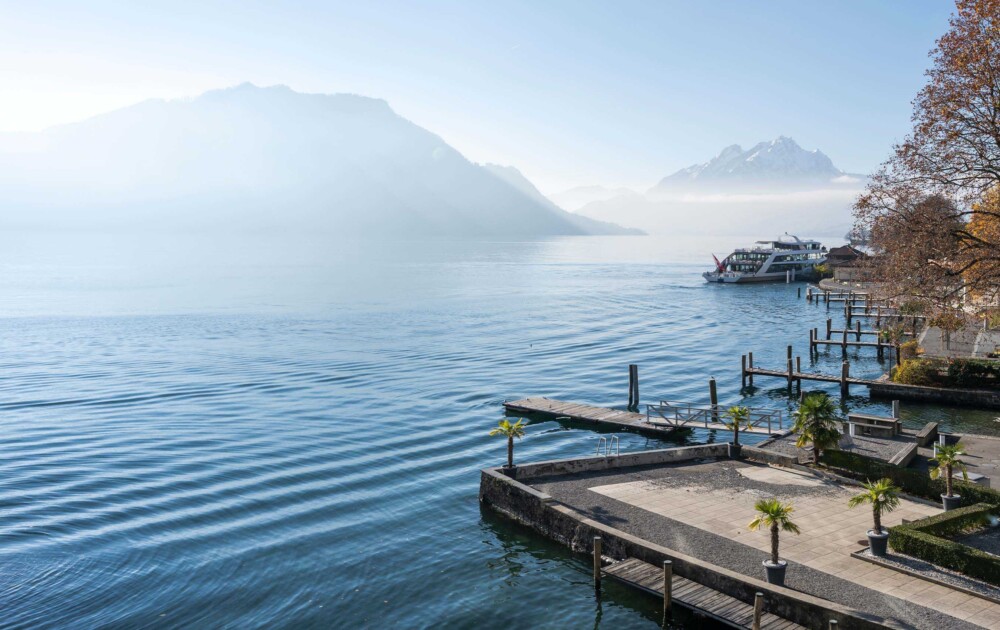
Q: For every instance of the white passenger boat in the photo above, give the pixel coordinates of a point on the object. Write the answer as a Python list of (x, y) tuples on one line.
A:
[(789, 257)]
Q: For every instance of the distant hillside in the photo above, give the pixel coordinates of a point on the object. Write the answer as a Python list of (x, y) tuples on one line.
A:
[(576, 198), (267, 158), (514, 177)]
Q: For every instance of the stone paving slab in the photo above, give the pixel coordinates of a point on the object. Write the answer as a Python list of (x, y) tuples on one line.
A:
[(704, 508)]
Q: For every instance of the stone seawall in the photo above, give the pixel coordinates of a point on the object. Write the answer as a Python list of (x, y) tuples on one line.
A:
[(626, 460), (567, 526), (979, 398)]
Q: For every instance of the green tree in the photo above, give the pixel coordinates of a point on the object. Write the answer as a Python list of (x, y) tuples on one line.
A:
[(776, 516), (883, 497), (737, 418), (509, 431), (949, 458), (816, 424)]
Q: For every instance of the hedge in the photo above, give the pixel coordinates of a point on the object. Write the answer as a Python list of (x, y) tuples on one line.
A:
[(911, 481), (922, 539), (969, 373)]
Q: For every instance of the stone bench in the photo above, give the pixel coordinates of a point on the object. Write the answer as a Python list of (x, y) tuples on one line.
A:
[(928, 434), (866, 419), (870, 430), (905, 456)]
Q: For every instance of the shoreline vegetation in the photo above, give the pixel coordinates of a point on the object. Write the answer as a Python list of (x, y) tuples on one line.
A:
[(930, 215)]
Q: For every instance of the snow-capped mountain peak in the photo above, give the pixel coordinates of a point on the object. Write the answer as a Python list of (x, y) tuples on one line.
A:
[(780, 160)]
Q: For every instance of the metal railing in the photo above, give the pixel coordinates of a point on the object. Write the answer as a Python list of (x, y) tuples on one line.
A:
[(681, 414), (608, 445)]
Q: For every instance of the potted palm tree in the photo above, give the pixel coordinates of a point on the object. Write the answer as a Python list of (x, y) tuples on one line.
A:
[(884, 498), (816, 424), (775, 515), (736, 418), (948, 459), (509, 431)]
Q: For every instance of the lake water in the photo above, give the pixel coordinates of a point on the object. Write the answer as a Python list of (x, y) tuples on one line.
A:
[(275, 431)]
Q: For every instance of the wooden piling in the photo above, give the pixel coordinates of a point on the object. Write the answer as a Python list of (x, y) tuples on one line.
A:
[(798, 292), (845, 372), (635, 386), (858, 330), (597, 563), (631, 387), (895, 409), (750, 365), (713, 396), (758, 610), (668, 585), (843, 343), (743, 371), (829, 327), (790, 378)]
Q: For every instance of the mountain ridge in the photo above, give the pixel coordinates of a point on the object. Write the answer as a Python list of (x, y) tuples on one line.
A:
[(266, 157)]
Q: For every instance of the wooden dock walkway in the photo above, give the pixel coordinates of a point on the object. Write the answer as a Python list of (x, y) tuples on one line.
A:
[(609, 418), (628, 420), (697, 597)]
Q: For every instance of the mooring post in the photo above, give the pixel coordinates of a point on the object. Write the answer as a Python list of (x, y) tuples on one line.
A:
[(843, 343), (858, 330), (713, 396), (849, 312), (758, 610), (812, 341), (631, 386), (880, 348), (668, 585), (798, 292), (845, 370), (790, 378), (635, 388), (829, 328), (743, 371), (597, 563), (750, 363), (826, 296)]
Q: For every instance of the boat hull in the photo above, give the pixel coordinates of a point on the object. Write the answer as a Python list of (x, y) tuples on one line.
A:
[(747, 278)]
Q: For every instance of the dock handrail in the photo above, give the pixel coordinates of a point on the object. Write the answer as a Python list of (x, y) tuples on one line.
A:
[(687, 414)]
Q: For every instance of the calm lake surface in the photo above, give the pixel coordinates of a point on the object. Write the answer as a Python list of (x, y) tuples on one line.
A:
[(278, 432)]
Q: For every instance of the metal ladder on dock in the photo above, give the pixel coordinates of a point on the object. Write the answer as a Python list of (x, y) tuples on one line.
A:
[(608, 445)]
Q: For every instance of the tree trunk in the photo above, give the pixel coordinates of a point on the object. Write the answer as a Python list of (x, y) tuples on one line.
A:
[(774, 543), (736, 435), (947, 480), (877, 513), (815, 453), (510, 452)]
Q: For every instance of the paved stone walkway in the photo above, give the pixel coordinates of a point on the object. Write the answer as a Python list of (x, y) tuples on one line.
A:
[(830, 531)]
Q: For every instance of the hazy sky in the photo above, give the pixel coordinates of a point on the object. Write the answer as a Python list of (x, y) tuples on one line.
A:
[(569, 92)]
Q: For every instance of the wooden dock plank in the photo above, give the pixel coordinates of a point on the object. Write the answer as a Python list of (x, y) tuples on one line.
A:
[(614, 418), (692, 595)]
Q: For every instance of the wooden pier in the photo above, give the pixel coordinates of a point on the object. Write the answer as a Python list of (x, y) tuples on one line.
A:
[(796, 375), (693, 596), (602, 416), (700, 418)]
